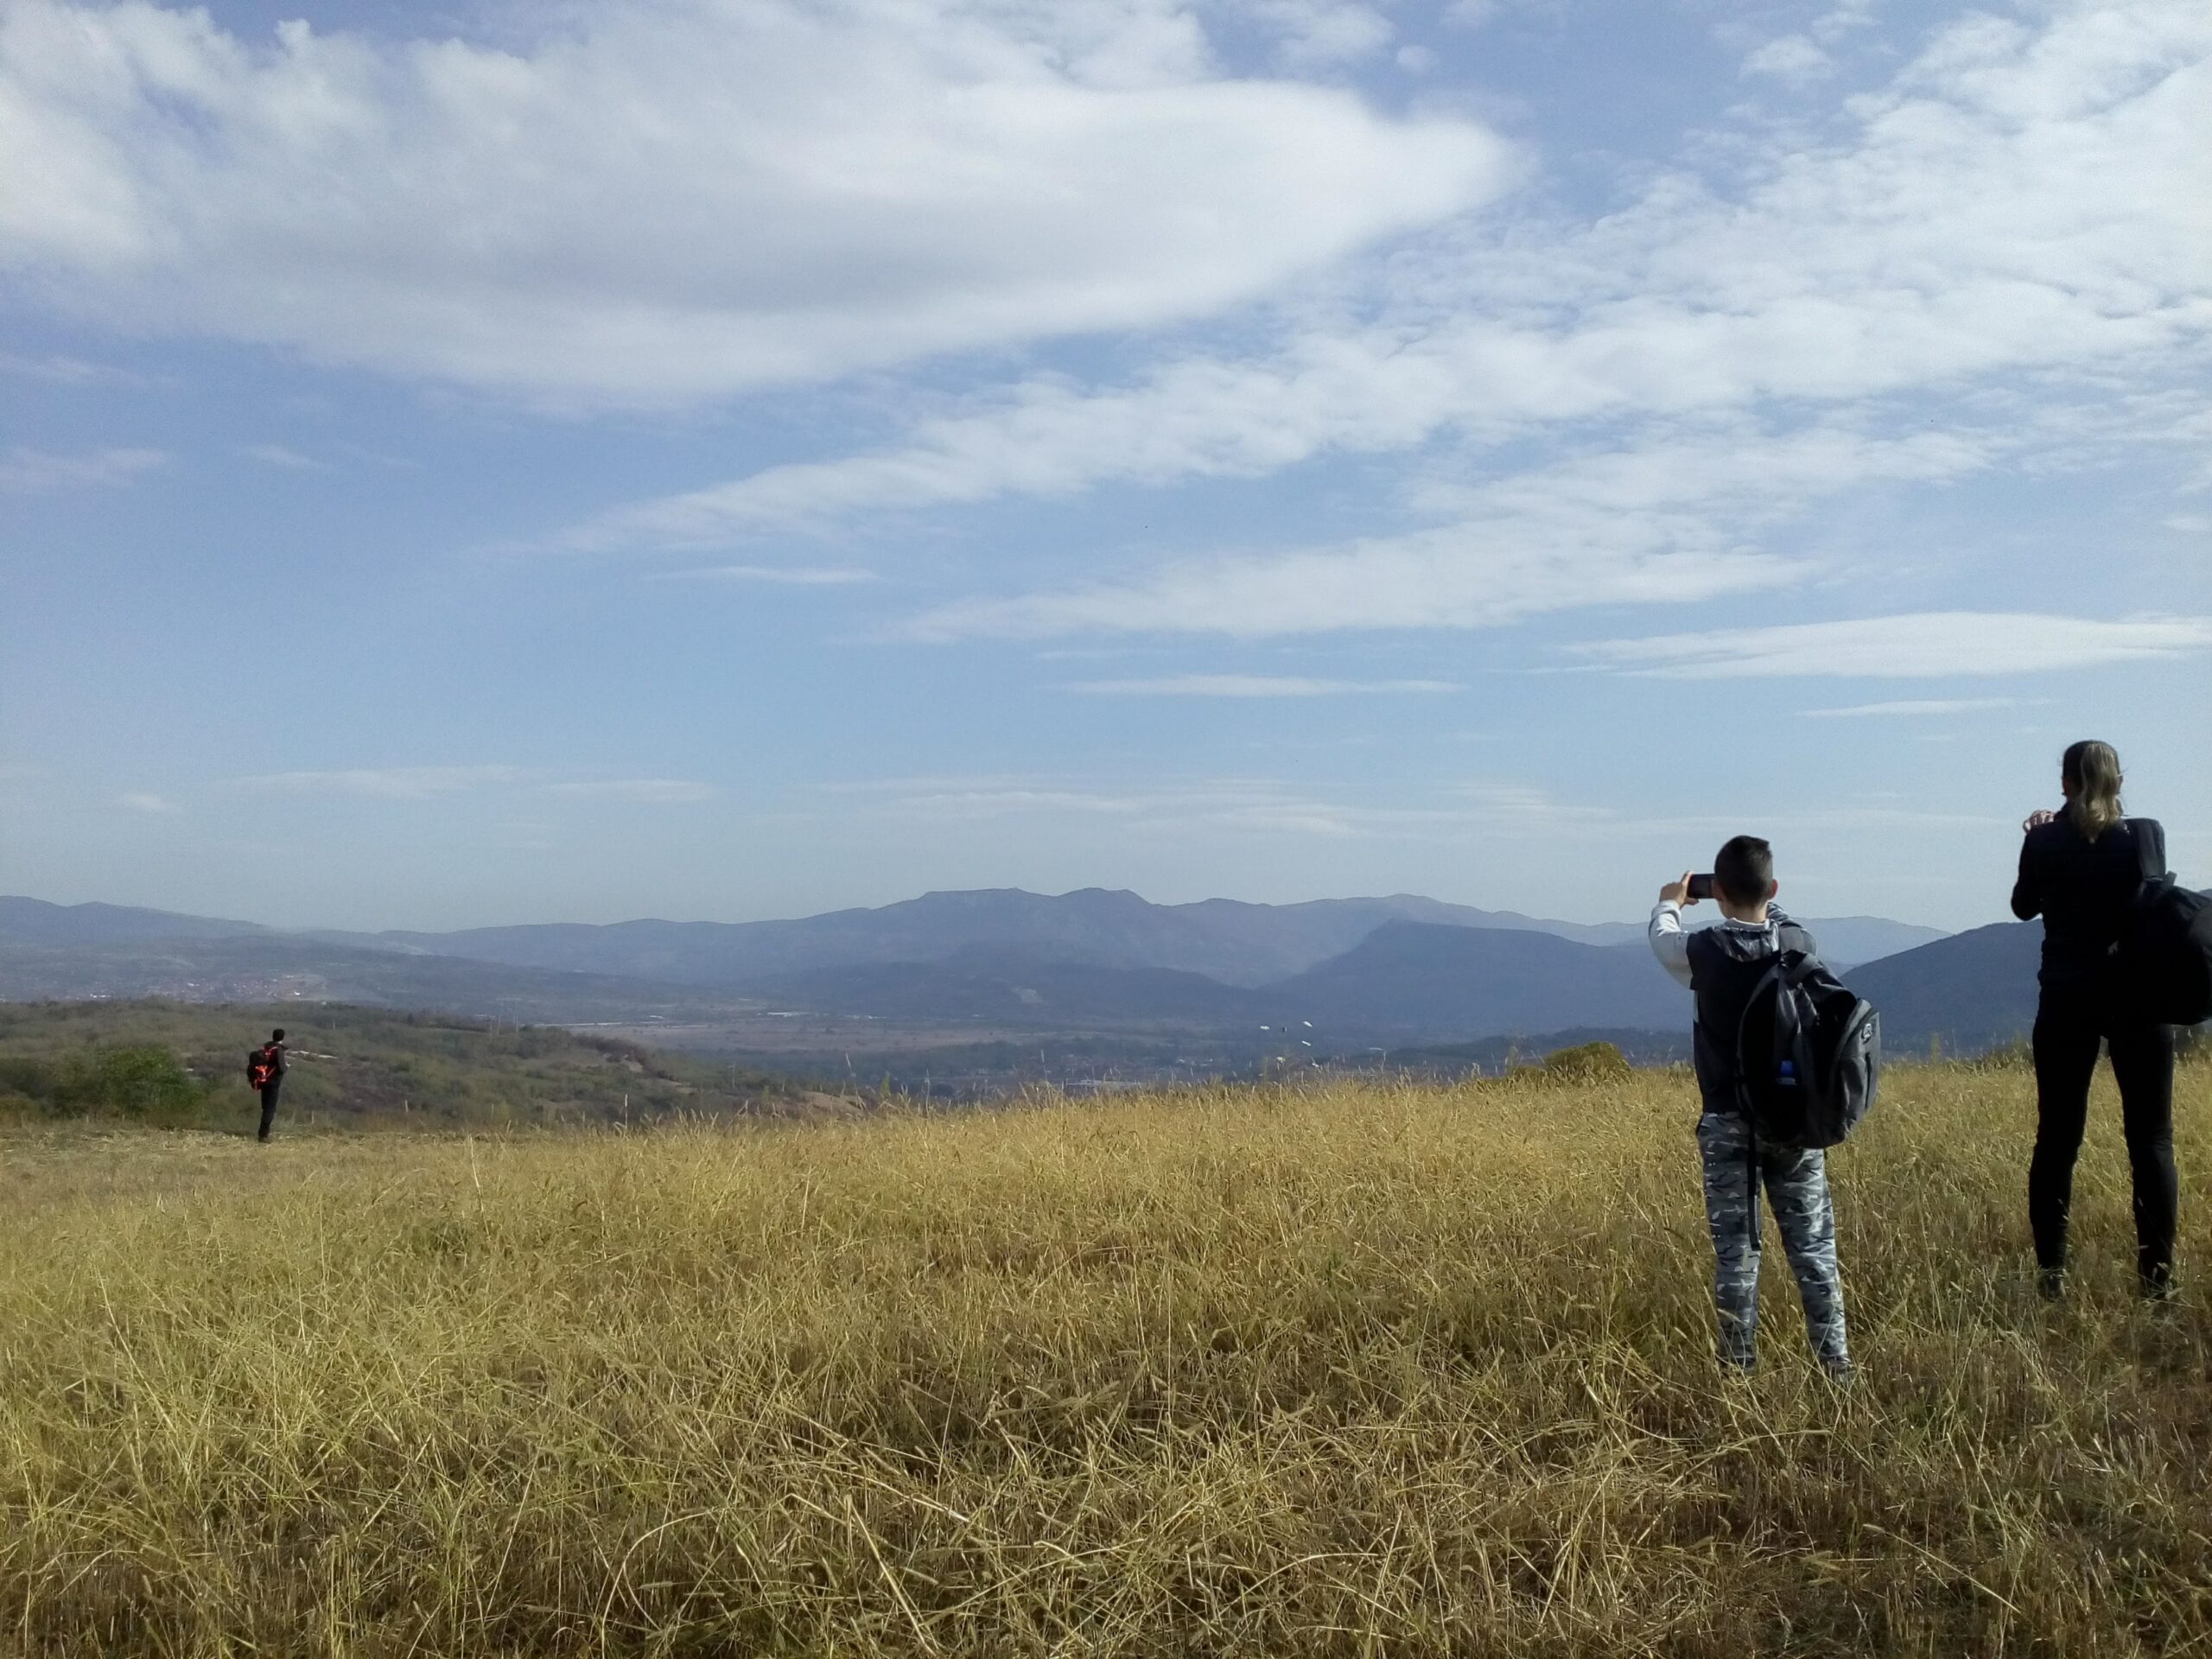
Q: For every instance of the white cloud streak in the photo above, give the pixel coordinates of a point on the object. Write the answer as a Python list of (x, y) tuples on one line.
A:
[(659, 791), (433, 783), (1913, 707), (39, 471), (59, 369), (389, 782), (1793, 59), (1257, 686), (789, 575), (1939, 645), (676, 199), (2018, 202), (277, 454), (1650, 525)]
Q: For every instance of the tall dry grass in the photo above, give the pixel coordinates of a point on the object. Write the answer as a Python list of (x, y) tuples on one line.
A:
[(1358, 1370)]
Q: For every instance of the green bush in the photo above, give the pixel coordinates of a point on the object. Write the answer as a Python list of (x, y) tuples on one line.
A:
[(1590, 1063), (23, 1078), (147, 1081)]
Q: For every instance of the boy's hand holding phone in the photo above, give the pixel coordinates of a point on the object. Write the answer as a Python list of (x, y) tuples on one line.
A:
[(1688, 890)]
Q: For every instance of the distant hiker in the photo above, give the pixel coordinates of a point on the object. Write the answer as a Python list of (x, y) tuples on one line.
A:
[(2083, 869), (1728, 966), (265, 1071)]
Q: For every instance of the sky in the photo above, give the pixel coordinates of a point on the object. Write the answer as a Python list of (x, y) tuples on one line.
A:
[(471, 463)]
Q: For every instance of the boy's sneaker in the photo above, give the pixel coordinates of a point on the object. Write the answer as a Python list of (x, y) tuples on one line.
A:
[(2051, 1284)]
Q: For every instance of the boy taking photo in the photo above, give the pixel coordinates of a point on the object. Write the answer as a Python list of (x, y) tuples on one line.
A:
[(1722, 965)]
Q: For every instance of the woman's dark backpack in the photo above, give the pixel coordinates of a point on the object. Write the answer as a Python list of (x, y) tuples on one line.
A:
[(1808, 1054), (2165, 949)]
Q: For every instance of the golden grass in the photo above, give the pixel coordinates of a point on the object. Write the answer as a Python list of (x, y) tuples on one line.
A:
[(1354, 1370)]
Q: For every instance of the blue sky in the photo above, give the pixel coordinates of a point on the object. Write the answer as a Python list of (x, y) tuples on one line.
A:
[(484, 463)]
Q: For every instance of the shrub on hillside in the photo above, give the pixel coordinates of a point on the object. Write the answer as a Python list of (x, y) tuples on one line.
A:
[(144, 1082), (1588, 1062), (26, 1079)]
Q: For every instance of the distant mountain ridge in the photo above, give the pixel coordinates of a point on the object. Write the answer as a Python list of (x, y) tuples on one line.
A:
[(1225, 939), (34, 921), (1344, 973), (1969, 992), (1412, 978)]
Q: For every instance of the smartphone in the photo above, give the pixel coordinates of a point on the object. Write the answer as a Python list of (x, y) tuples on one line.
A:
[(1701, 886)]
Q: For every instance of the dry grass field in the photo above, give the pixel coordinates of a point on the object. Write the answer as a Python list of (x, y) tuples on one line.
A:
[(1348, 1370)]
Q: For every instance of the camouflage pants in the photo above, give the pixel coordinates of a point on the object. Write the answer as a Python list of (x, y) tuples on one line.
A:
[(1797, 1185)]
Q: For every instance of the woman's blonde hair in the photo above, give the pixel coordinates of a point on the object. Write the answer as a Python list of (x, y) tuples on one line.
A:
[(2090, 772)]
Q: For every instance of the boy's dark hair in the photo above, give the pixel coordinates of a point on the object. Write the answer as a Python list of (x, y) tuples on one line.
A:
[(1743, 869), (277, 1035)]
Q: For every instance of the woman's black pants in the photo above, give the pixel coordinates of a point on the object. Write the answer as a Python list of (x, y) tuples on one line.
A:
[(2067, 1032)]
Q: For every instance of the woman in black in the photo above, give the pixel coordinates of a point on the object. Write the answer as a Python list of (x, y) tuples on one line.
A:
[(2081, 868)]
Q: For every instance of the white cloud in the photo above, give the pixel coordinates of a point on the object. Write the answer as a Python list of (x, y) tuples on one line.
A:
[(1793, 59), (62, 370), (389, 782), (430, 783), (276, 455), (1256, 685), (1655, 523), (1527, 807), (1441, 579), (1254, 806), (35, 472), (158, 805), (1251, 806), (1840, 21), (1930, 644), (1913, 707), (2017, 203), (675, 199), (658, 792), (1316, 33), (793, 576)]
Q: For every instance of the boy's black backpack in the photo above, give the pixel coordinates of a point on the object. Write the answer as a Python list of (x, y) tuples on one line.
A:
[(2165, 949), (1808, 1054), (260, 1068)]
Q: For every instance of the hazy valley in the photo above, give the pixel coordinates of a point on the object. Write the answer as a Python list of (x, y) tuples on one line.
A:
[(967, 993)]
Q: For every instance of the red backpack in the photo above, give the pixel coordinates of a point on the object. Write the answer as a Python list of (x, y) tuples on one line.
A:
[(260, 1066)]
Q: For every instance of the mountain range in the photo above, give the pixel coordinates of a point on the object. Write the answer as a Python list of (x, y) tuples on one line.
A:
[(1343, 973), (1235, 942)]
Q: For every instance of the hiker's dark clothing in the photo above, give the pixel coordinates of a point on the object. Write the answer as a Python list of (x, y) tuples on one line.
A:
[(2066, 1036), (270, 1089), (1727, 962), (2083, 890), (1722, 964)]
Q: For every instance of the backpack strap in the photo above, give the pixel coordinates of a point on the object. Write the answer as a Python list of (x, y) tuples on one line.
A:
[(2150, 848), (1698, 943), (1776, 975)]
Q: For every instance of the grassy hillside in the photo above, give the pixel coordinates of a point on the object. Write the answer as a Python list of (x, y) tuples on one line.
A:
[(175, 1062), (1349, 1370)]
